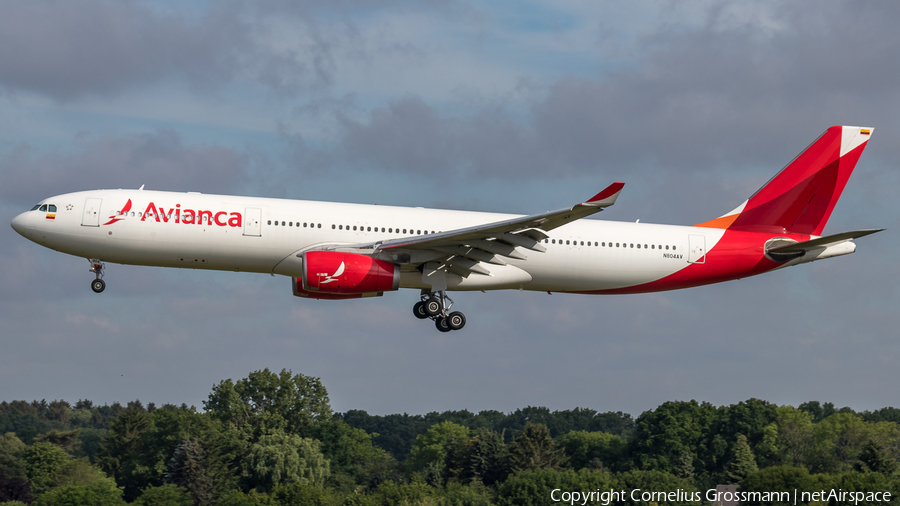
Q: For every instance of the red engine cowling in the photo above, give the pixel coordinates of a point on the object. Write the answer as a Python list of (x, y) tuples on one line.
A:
[(347, 274), (300, 292)]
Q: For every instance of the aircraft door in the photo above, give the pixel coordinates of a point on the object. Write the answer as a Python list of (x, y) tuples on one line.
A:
[(697, 249), (253, 221), (91, 216)]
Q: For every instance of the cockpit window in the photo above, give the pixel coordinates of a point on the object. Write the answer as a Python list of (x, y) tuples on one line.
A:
[(44, 208), (35, 207), (52, 208)]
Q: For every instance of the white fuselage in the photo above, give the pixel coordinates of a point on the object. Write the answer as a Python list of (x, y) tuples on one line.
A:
[(190, 230)]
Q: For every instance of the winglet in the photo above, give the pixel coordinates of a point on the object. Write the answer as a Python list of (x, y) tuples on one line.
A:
[(607, 197)]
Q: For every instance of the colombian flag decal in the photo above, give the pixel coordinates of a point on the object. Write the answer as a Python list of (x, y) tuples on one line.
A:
[(51, 216), (865, 131)]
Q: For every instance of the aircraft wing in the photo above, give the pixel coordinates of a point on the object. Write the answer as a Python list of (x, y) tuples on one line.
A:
[(463, 249)]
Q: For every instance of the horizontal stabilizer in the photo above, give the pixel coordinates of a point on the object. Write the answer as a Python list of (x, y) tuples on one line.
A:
[(824, 242)]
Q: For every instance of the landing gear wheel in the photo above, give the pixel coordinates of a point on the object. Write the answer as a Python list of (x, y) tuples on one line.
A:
[(433, 306), (419, 310), (442, 324), (456, 320), (98, 285)]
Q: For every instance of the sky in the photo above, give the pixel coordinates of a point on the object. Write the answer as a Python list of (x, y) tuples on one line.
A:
[(507, 106)]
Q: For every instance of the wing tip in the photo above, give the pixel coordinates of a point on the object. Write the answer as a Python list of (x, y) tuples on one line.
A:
[(607, 196)]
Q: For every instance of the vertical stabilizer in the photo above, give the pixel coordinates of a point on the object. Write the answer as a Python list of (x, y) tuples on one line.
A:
[(801, 197)]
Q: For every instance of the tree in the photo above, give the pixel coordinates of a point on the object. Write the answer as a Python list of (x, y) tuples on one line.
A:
[(121, 453), (187, 469), (795, 433), (68, 440), (98, 493), (267, 400), (432, 448), (595, 450), (874, 457), (166, 495), (533, 487), (782, 478), (535, 449), (663, 436), (488, 459), (10, 448), (42, 461), (15, 489), (285, 458), (742, 461)]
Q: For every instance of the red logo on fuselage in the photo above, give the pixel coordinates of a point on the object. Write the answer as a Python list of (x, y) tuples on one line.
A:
[(178, 215)]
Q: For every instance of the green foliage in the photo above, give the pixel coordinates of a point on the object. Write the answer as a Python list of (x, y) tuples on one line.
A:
[(457, 494), (868, 482), (68, 440), (354, 460), (166, 495), (781, 478), (238, 498), (306, 495), (41, 462), (101, 492), (742, 461), (533, 448), (533, 487), (390, 493), (187, 468), (432, 448), (654, 481), (837, 443), (10, 448), (265, 400), (123, 456), (593, 450), (874, 457), (663, 436), (488, 458), (276, 459)]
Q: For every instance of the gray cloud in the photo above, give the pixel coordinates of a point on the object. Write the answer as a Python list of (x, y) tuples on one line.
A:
[(159, 159)]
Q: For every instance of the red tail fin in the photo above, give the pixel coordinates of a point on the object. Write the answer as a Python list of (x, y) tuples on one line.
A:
[(800, 198)]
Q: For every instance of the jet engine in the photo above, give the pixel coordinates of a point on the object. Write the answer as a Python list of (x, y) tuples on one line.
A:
[(336, 275)]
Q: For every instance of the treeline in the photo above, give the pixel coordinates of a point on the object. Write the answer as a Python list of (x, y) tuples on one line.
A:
[(272, 439)]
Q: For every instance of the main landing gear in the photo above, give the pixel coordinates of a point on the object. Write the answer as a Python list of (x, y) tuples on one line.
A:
[(97, 285), (436, 307)]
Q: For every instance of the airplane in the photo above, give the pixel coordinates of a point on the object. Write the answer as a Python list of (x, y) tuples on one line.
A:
[(337, 251)]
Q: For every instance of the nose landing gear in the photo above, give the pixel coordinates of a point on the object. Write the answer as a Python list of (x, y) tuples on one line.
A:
[(97, 285), (437, 307)]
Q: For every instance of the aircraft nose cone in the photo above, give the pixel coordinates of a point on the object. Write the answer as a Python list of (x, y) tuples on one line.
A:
[(18, 224)]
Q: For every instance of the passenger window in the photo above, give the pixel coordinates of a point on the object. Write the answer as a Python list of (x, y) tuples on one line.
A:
[(639, 246), (340, 227), (554, 241), (382, 229), (419, 232), (632, 245), (319, 226), (333, 227), (582, 243), (667, 246), (645, 246), (617, 244), (290, 223), (368, 229), (270, 222)]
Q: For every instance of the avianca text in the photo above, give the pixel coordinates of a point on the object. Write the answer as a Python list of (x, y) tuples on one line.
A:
[(191, 216)]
